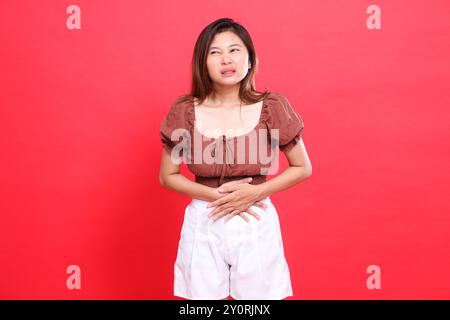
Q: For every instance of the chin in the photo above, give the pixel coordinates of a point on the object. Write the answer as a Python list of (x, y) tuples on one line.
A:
[(228, 84)]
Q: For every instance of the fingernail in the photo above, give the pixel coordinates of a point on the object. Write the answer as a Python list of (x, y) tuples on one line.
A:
[(220, 190)]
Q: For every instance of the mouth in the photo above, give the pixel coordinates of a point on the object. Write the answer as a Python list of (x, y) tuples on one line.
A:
[(228, 72)]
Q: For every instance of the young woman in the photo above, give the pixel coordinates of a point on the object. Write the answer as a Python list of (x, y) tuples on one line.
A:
[(227, 131)]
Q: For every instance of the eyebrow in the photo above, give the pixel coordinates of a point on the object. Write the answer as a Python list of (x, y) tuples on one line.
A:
[(231, 45)]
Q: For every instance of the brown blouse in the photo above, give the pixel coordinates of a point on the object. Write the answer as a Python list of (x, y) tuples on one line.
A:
[(215, 161)]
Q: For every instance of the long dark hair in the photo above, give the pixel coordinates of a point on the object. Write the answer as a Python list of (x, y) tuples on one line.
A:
[(201, 85)]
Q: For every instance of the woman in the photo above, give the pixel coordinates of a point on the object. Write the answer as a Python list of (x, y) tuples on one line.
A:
[(231, 242)]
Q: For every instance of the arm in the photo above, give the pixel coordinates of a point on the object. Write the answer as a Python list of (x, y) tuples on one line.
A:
[(171, 178), (300, 169)]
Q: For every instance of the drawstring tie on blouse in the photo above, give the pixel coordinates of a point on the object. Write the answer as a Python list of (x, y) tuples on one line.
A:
[(224, 165)]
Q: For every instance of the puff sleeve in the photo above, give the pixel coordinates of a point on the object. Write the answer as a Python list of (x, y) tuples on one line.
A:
[(174, 128), (282, 116)]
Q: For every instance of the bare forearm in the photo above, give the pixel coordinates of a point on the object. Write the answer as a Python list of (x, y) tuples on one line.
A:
[(180, 184), (289, 177)]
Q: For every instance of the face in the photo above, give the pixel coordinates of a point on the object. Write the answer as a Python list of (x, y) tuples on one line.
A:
[(228, 60)]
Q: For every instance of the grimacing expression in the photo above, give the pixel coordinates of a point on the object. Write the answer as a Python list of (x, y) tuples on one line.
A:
[(228, 60)]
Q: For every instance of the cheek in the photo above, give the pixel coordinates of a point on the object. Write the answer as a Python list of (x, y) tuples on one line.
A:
[(211, 65), (243, 61), (243, 65)]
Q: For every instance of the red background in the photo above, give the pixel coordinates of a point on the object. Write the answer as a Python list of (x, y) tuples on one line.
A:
[(80, 150)]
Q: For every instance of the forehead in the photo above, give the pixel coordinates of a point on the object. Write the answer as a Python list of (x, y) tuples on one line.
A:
[(224, 39)]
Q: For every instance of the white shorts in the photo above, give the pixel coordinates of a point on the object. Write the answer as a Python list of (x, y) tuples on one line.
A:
[(238, 258)]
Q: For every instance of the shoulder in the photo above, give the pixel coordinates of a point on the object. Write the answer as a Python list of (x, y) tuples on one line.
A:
[(279, 111), (180, 113), (181, 105), (275, 98), (279, 106), (283, 117)]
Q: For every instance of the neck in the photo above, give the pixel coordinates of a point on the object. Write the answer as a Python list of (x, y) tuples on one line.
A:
[(225, 96)]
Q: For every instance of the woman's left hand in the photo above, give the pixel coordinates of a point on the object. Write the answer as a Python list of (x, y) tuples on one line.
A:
[(240, 198)]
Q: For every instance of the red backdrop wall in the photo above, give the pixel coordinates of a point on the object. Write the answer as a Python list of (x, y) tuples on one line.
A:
[(80, 150)]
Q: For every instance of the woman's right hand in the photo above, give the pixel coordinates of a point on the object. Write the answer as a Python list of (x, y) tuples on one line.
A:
[(259, 204)]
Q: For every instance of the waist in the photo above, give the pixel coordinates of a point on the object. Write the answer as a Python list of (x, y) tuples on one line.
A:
[(213, 182), (201, 204)]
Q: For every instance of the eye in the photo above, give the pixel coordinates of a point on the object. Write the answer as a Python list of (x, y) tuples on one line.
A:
[(234, 49)]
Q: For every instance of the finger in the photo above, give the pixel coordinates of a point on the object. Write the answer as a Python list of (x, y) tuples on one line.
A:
[(243, 216), (220, 211), (244, 180), (219, 202), (232, 188), (260, 204), (235, 186), (231, 215), (221, 214), (215, 211), (230, 183), (253, 213)]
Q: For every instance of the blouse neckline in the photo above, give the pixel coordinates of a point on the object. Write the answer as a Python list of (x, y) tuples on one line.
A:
[(260, 119)]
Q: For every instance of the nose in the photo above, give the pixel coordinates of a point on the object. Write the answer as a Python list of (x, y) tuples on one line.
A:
[(225, 59)]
